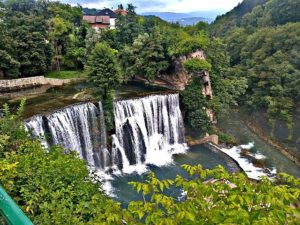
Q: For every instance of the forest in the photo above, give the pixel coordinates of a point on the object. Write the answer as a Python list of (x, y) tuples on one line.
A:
[(263, 42), (41, 36), (252, 55)]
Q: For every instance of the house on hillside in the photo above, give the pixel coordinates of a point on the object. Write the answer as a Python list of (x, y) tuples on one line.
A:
[(104, 19)]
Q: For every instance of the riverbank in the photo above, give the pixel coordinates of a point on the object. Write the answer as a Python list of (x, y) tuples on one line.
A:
[(234, 124), (30, 82), (283, 150), (52, 78), (253, 172)]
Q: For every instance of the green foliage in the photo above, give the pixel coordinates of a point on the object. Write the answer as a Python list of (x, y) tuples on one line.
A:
[(12, 133), (108, 105), (65, 74), (215, 197), (226, 138), (223, 25), (200, 27), (103, 69), (195, 106), (128, 26), (35, 35), (191, 44), (147, 57), (262, 43), (27, 47), (197, 65), (104, 73), (50, 186), (226, 86), (9, 66)]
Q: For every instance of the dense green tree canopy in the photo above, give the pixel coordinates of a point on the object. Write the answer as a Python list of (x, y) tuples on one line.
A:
[(264, 49), (36, 35), (146, 57)]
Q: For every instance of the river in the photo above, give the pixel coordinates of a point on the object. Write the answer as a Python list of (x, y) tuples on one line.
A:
[(234, 124)]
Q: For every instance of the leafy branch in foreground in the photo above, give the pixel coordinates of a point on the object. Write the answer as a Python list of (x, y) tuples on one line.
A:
[(215, 197)]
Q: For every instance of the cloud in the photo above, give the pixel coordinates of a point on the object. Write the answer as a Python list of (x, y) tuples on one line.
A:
[(162, 5)]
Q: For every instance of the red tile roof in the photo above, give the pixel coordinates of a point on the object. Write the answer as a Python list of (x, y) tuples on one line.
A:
[(122, 12), (89, 19), (97, 19), (103, 19)]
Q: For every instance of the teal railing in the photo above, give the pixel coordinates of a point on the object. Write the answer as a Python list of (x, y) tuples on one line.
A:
[(10, 211)]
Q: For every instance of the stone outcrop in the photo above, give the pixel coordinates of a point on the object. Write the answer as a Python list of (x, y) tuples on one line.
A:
[(207, 139), (23, 83), (180, 78)]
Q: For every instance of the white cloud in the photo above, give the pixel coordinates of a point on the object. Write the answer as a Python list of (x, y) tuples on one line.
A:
[(163, 5)]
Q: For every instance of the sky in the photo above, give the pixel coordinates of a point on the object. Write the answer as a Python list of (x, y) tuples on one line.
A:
[(178, 6)]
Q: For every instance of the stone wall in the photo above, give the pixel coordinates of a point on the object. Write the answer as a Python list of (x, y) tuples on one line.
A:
[(23, 83)]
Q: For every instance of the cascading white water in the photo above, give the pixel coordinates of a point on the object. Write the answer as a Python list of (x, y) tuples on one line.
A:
[(148, 131), (36, 126), (80, 128)]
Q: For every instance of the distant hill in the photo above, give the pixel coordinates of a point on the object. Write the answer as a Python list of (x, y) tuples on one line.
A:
[(185, 18), (192, 21), (224, 23)]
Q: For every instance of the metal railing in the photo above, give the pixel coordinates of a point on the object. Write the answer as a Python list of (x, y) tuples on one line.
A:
[(10, 211)]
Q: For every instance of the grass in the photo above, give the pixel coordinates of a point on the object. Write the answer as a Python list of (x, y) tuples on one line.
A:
[(65, 74)]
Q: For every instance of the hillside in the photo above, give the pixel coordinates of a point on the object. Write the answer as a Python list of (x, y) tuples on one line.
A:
[(257, 14), (263, 39)]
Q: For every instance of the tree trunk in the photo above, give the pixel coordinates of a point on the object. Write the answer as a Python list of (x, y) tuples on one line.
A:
[(57, 60), (1, 74)]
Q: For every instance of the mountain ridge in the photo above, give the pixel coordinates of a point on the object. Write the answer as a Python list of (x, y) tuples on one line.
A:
[(185, 18)]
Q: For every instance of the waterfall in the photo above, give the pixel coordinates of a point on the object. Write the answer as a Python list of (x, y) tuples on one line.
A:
[(148, 131), (79, 128)]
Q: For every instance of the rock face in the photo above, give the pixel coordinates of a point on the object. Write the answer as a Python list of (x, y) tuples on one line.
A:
[(23, 83), (207, 139), (179, 78)]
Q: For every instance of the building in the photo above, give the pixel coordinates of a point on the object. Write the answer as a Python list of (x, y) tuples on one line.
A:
[(121, 12), (103, 19)]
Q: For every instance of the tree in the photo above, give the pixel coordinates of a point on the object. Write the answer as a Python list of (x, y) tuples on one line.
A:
[(190, 44), (195, 105), (197, 66), (217, 197), (30, 49), (147, 57), (59, 30), (103, 69), (104, 73), (127, 26), (120, 6)]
